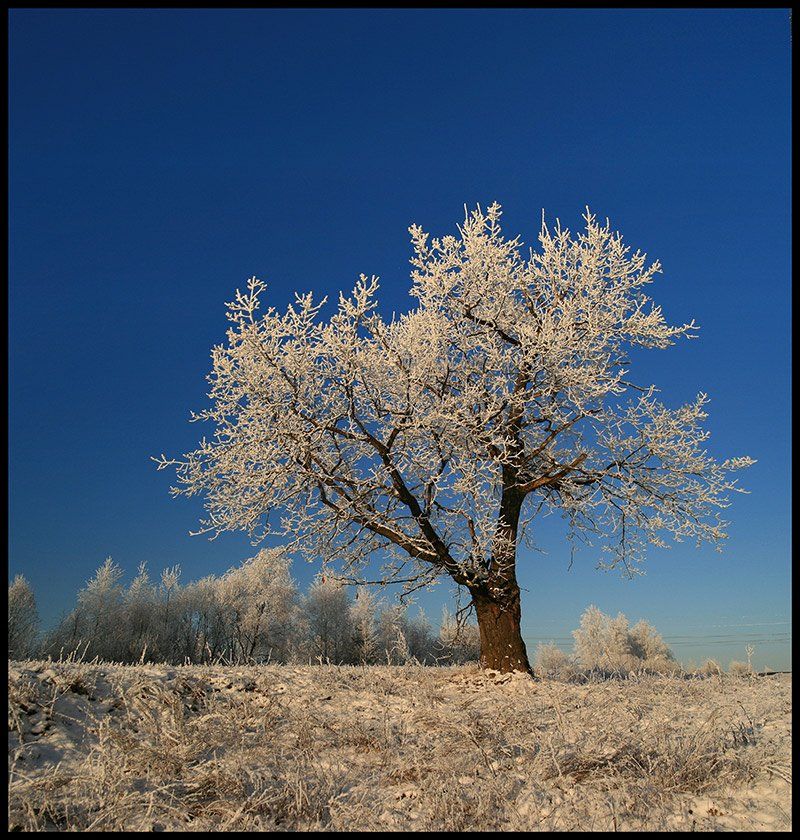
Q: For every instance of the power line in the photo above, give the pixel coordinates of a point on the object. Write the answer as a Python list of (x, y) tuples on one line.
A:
[(678, 637), (694, 640), (686, 639)]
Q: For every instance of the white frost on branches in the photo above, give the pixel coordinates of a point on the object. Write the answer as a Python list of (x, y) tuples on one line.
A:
[(253, 613), (508, 380)]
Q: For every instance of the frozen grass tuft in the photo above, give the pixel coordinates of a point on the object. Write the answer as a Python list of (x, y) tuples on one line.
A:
[(739, 669)]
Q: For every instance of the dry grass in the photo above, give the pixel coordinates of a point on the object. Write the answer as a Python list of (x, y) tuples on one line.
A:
[(146, 748)]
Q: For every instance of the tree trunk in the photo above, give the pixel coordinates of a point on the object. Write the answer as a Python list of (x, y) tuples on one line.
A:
[(502, 647), (496, 599)]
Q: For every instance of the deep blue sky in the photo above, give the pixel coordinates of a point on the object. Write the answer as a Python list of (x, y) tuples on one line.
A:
[(159, 158)]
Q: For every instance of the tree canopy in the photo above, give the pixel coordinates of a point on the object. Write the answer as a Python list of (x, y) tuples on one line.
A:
[(438, 436)]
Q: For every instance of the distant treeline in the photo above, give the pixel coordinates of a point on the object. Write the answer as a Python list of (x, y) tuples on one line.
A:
[(253, 613)]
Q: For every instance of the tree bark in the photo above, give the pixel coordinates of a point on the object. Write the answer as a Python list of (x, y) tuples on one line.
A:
[(502, 647)]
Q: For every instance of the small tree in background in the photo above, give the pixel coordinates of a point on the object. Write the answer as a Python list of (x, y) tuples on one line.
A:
[(419, 635), (98, 625), (260, 600), (438, 436), (23, 619), (459, 641), (392, 634), (330, 622), (139, 603), (366, 641), (591, 639), (169, 610), (97, 619)]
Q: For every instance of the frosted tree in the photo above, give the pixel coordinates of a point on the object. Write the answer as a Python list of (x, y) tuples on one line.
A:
[(437, 437), (591, 639), (419, 635), (188, 642), (259, 598), (207, 624), (620, 657), (603, 644), (97, 626), (139, 607), (168, 624), (249, 614), (96, 622), (393, 634), (330, 623), (366, 643), (23, 619)]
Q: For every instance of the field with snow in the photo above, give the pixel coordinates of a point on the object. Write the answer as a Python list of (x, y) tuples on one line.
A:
[(266, 748)]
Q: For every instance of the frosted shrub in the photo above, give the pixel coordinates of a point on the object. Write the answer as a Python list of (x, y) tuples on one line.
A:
[(606, 646), (620, 655), (552, 662), (647, 642), (666, 665), (603, 645), (458, 643), (650, 647), (710, 668)]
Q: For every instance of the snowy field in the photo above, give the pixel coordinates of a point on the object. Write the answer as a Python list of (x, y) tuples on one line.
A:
[(152, 748)]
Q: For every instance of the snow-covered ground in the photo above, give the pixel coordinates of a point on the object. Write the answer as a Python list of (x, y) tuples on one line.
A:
[(149, 748)]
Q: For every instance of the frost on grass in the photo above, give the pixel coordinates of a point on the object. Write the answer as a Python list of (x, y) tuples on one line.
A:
[(109, 747)]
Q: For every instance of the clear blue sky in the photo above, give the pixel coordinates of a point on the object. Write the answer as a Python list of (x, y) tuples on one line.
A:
[(159, 158)]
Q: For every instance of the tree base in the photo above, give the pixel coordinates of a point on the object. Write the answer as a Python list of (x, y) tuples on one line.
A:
[(502, 647)]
